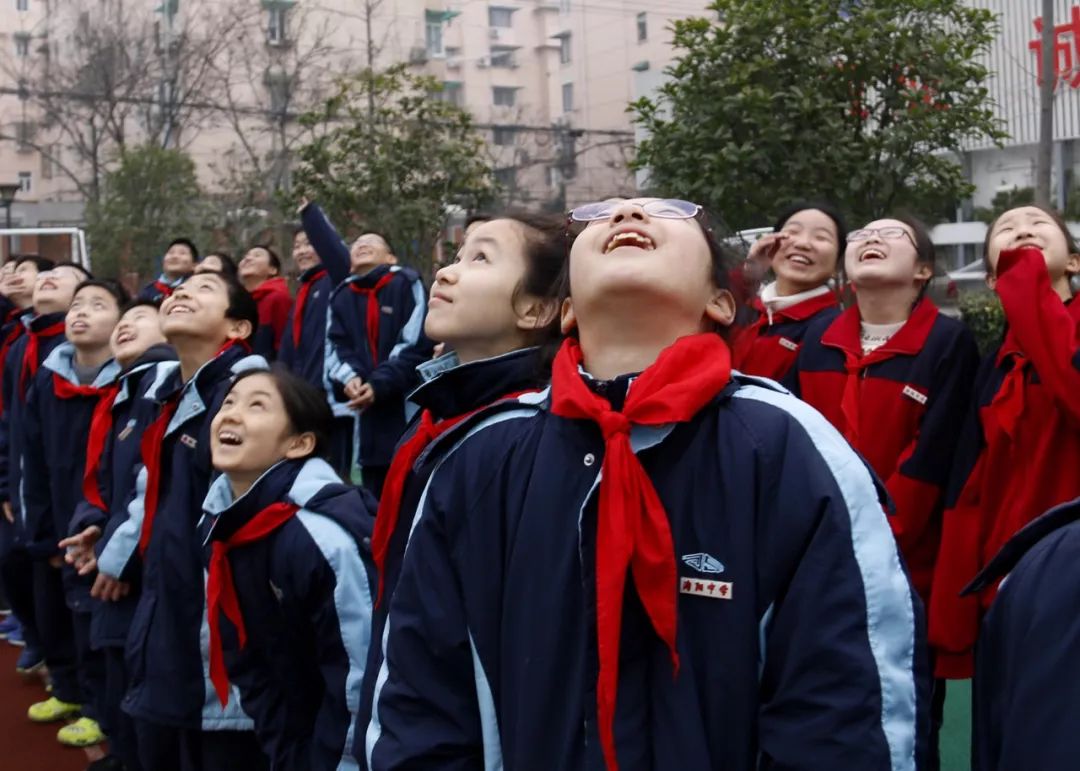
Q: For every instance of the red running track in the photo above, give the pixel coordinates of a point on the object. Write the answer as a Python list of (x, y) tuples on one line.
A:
[(26, 746)]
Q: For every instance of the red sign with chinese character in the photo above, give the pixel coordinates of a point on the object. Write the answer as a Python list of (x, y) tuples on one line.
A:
[(1066, 49)]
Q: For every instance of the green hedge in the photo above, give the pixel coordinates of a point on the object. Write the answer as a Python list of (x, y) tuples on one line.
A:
[(983, 314)]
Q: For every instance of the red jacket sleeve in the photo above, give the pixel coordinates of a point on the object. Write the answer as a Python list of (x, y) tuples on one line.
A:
[(276, 309)]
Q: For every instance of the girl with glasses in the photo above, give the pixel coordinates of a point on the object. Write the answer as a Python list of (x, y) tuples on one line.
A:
[(668, 567), (802, 252)]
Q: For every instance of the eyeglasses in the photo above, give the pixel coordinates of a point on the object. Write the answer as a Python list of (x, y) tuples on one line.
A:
[(666, 208), (891, 233)]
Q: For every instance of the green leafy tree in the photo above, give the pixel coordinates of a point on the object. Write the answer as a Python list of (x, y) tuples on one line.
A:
[(856, 100), (391, 156), (150, 197)]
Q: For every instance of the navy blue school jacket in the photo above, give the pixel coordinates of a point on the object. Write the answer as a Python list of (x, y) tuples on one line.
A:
[(13, 419), (306, 356), (402, 345), (160, 288), (117, 468), (907, 409), (812, 658), (305, 594), (1027, 672), (166, 652), (57, 430)]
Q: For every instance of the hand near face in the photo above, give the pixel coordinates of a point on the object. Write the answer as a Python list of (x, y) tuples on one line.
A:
[(765, 248)]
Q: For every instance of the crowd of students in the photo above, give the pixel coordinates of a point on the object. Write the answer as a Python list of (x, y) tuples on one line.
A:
[(596, 499)]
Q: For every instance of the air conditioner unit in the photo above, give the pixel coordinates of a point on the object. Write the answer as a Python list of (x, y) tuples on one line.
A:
[(453, 64), (483, 62), (495, 33), (418, 55)]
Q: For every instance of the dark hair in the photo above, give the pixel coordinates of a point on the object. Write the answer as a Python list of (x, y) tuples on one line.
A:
[(826, 208), (924, 246), (305, 406), (228, 266), (87, 275), (43, 263), (242, 306), (140, 302), (1070, 240), (275, 261), (479, 216), (112, 287), (545, 256), (185, 242)]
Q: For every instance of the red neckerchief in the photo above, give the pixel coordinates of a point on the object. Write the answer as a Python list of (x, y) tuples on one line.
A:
[(797, 312), (372, 312), (221, 592), (427, 431), (845, 334), (298, 309), (100, 425), (162, 287), (18, 329), (632, 528), (30, 361)]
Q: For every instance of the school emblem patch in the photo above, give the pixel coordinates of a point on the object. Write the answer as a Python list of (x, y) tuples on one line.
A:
[(717, 590), (703, 563), (189, 441), (127, 430)]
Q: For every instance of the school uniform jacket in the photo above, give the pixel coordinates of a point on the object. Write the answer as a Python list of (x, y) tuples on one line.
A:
[(902, 407), (770, 345), (798, 635), (1027, 674), (401, 346), (57, 428), (116, 471), (166, 652), (1014, 459), (303, 346), (450, 390), (274, 302), (160, 288), (305, 593)]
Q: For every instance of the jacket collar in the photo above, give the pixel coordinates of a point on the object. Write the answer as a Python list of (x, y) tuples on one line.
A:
[(451, 388), (275, 285), (808, 303), (61, 360), (310, 274), (130, 377), (372, 277), (38, 323), (846, 333)]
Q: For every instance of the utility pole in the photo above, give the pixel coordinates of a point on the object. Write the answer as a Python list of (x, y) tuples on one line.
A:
[(1045, 157)]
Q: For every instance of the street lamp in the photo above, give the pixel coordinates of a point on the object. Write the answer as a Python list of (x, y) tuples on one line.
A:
[(8, 191)]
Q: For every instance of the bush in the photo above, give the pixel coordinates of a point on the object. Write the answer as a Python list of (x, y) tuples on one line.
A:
[(983, 314)]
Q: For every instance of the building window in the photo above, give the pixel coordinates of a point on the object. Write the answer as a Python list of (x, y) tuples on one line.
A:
[(503, 57), (453, 93), (22, 45), (506, 177), (434, 39), (503, 136), (567, 97), (642, 27), (500, 17), (276, 29), (25, 181), (24, 133), (504, 96), (564, 48), (22, 5)]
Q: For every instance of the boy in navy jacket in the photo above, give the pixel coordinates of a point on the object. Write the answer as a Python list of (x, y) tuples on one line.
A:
[(59, 409), (178, 720), (303, 347), (768, 622), (181, 257)]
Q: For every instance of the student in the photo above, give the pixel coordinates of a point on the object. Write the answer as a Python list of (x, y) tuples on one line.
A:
[(765, 578), (59, 407), (374, 342), (179, 723), (179, 262), (303, 347), (804, 251), (1025, 693), (53, 290), (290, 577), (1021, 428), (139, 347), (260, 273), (217, 262)]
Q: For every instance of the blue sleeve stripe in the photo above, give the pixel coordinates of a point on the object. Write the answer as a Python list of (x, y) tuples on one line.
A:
[(410, 333), (890, 615), (489, 723), (125, 539), (353, 603)]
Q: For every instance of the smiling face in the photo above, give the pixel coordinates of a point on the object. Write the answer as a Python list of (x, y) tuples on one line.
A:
[(368, 251), (808, 257), (197, 308), (54, 289), (303, 253), (178, 261), (138, 330), (251, 432), (256, 267), (91, 318), (879, 261), (1031, 226), (20, 284)]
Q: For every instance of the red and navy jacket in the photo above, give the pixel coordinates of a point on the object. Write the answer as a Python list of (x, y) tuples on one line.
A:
[(57, 429), (1019, 445), (769, 346), (43, 334), (491, 656), (274, 301), (305, 594), (168, 669), (303, 346), (1025, 690), (114, 476), (160, 288), (902, 407), (383, 346)]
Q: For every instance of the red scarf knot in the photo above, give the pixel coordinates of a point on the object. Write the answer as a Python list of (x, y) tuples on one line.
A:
[(30, 361), (162, 287), (632, 530), (301, 300), (221, 592), (372, 313)]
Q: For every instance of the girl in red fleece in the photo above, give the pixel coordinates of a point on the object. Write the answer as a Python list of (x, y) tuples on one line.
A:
[(1017, 456), (260, 273)]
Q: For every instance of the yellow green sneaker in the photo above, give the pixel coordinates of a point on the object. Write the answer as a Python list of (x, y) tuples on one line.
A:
[(84, 732), (51, 710)]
